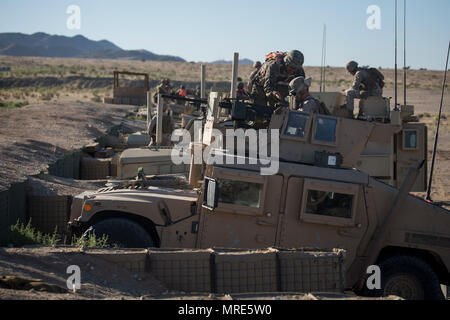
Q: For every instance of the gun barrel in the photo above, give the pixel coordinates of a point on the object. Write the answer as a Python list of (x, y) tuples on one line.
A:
[(170, 96)]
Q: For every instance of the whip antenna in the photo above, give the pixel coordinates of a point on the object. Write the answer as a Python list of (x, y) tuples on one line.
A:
[(428, 198), (322, 62), (404, 53), (395, 72)]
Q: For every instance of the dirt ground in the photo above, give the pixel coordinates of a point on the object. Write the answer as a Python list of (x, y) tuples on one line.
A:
[(99, 279), (34, 136)]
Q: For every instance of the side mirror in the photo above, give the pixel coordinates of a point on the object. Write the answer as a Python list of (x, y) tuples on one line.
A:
[(210, 194)]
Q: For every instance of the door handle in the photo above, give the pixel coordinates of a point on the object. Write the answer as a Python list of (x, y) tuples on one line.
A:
[(264, 223)]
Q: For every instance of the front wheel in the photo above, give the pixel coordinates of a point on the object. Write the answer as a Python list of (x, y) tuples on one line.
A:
[(408, 277), (122, 233)]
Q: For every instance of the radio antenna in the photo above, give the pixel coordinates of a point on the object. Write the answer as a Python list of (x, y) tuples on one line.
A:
[(395, 68), (324, 55), (322, 63), (404, 53), (428, 198)]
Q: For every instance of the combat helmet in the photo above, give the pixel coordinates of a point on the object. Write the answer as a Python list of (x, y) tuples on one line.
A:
[(352, 66), (299, 85), (295, 59), (257, 64)]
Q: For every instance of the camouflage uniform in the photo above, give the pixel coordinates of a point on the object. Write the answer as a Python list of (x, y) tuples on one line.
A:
[(162, 88), (364, 85), (273, 76), (310, 105), (256, 66), (241, 93), (167, 129), (299, 87)]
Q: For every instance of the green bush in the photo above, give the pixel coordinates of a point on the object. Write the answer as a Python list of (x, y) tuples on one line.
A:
[(12, 104), (21, 235)]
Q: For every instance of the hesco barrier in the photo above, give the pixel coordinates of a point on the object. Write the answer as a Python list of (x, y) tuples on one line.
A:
[(12, 205), (48, 212), (241, 271), (95, 169), (67, 167), (311, 271), (246, 271), (182, 270)]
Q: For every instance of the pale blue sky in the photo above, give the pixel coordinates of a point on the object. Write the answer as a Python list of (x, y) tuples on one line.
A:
[(206, 30)]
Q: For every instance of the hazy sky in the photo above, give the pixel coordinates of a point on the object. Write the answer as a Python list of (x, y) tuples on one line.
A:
[(207, 30)]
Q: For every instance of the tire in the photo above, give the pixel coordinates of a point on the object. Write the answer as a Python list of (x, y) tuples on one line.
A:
[(121, 232), (408, 277)]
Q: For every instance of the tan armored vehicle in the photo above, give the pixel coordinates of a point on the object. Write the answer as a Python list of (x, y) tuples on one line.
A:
[(340, 183)]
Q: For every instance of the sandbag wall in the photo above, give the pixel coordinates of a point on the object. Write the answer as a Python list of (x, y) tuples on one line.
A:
[(240, 271)]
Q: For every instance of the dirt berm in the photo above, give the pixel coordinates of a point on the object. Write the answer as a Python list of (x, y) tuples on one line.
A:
[(36, 135)]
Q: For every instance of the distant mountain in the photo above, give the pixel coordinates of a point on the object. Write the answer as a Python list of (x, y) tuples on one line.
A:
[(241, 61), (130, 55), (44, 45)]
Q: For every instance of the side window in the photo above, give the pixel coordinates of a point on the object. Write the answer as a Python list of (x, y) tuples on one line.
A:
[(239, 192), (410, 140), (329, 202), (297, 125), (325, 130)]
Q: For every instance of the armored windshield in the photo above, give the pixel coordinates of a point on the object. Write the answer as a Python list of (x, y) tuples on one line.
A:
[(296, 124), (325, 129)]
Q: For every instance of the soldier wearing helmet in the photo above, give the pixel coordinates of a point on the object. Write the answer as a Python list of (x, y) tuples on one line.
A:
[(241, 93), (163, 88), (299, 87), (366, 82), (271, 82), (256, 67)]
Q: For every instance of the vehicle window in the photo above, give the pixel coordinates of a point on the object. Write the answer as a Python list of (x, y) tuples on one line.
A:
[(329, 203), (296, 125), (239, 192), (325, 129), (410, 139)]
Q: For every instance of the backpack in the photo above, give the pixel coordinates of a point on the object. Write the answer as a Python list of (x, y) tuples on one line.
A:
[(276, 55), (377, 76)]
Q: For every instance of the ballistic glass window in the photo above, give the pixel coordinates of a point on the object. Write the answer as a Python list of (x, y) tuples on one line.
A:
[(239, 192), (329, 204), (325, 129), (296, 124), (410, 139)]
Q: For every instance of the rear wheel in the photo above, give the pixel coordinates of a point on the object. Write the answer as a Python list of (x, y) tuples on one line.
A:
[(408, 277), (122, 233)]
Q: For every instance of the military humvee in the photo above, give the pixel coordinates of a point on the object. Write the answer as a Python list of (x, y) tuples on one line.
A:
[(317, 198)]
